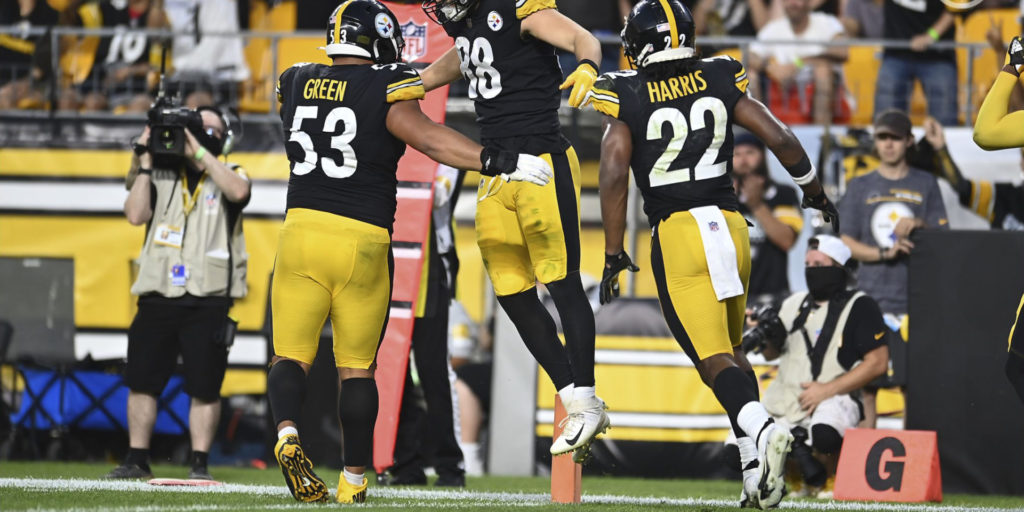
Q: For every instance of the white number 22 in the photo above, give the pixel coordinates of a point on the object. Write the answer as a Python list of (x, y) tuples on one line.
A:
[(706, 167)]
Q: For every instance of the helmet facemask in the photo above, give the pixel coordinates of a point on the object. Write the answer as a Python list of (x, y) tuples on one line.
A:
[(447, 11)]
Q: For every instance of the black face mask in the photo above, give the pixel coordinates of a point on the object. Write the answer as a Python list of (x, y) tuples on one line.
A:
[(824, 282), (211, 143)]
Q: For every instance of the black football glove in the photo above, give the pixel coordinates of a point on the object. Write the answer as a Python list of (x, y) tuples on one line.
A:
[(1015, 54), (828, 210), (613, 264)]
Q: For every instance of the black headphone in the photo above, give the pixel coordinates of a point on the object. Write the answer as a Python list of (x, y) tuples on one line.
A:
[(229, 134)]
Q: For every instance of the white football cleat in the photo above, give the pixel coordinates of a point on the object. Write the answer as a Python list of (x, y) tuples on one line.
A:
[(773, 445), (586, 419), (751, 479)]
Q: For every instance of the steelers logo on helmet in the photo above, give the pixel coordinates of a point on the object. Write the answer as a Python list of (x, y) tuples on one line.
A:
[(364, 29), (385, 25)]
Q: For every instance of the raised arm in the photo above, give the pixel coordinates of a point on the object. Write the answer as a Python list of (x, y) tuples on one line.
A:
[(443, 71), (994, 128), (556, 29)]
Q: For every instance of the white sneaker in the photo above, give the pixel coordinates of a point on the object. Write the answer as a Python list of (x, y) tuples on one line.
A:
[(773, 445), (586, 419)]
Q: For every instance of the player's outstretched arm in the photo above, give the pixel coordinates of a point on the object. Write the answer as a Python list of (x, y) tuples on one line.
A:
[(754, 116), (616, 150), (443, 71), (442, 144), (994, 128), (559, 31)]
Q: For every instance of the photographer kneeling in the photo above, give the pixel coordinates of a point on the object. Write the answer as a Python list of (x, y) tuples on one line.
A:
[(191, 268), (830, 342)]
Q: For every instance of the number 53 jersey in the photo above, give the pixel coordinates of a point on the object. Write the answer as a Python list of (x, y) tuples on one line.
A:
[(343, 158), (681, 127)]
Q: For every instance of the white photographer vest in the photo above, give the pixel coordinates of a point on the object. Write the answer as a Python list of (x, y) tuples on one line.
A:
[(210, 253), (781, 399)]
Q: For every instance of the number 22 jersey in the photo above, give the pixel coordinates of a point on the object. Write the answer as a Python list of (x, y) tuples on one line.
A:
[(343, 158), (681, 128)]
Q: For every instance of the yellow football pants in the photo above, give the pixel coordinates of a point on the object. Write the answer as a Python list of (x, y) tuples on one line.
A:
[(702, 325), (528, 233), (330, 265)]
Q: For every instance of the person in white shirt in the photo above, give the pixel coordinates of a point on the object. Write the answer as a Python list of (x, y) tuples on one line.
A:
[(805, 62)]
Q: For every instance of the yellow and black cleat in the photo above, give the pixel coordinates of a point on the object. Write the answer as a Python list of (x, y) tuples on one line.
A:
[(298, 471), (348, 493)]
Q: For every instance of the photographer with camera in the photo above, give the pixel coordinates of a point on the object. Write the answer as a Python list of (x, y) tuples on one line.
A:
[(191, 269), (830, 342)]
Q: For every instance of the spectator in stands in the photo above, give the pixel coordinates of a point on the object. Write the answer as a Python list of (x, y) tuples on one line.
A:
[(921, 23), (1001, 204), (883, 208), (863, 19), (191, 269), (774, 212), (603, 18), (830, 343), (120, 69), (204, 62), (730, 17), (20, 66), (805, 74)]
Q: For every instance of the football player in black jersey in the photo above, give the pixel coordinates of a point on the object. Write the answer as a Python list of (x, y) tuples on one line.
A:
[(671, 121), (347, 126), (506, 51)]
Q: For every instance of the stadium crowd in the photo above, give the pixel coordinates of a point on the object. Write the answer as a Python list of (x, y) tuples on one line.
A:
[(803, 81)]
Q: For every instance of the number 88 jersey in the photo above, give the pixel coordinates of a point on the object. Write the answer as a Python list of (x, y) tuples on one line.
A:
[(513, 80), (343, 158), (681, 128)]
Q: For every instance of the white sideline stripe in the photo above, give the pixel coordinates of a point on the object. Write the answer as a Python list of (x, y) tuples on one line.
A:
[(659, 358), (503, 499), (414, 193), (407, 253), (268, 198), (653, 420), (249, 349), (401, 313)]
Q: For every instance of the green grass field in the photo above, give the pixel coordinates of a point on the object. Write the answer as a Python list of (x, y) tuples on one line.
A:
[(74, 486)]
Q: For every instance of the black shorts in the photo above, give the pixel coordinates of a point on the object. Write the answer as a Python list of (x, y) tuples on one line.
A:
[(478, 377), (163, 330)]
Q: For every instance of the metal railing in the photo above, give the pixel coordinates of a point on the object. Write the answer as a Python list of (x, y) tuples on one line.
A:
[(274, 38)]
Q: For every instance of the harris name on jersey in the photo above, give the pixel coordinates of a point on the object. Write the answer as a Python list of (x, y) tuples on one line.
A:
[(676, 87)]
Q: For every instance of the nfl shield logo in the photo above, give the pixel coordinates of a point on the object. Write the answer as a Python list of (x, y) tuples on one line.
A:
[(211, 200), (415, 41), (713, 226)]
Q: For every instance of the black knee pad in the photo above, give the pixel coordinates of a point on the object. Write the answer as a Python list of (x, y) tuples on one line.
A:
[(357, 409), (826, 439)]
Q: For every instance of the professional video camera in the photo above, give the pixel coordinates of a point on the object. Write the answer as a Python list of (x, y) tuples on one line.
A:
[(167, 120), (769, 329)]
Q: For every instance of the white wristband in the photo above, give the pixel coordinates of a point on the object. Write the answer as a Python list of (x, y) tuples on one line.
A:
[(806, 178)]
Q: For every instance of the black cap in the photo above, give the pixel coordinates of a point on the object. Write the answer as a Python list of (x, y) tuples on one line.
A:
[(893, 121), (742, 138)]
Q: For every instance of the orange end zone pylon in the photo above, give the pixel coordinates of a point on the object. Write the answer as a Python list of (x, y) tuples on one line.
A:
[(566, 475)]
